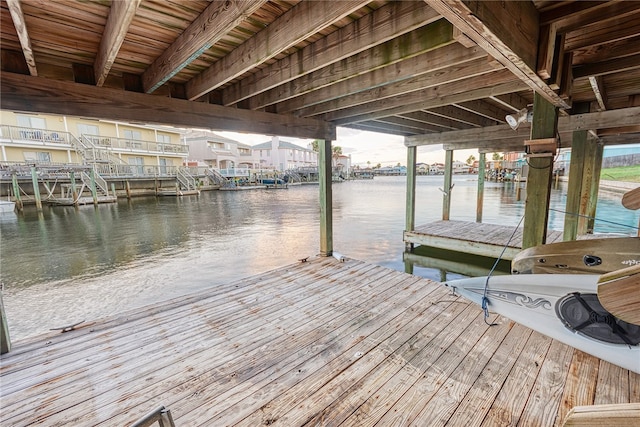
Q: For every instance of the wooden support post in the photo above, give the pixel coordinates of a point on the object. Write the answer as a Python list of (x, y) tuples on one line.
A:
[(94, 190), (326, 200), (127, 187), (536, 211), (74, 189), (5, 339), (113, 189), (36, 188), (482, 162), (595, 187), (448, 172), (16, 191), (411, 192), (587, 182), (576, 168)]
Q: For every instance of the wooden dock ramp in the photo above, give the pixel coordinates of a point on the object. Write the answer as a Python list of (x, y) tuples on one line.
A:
[(316, 343)]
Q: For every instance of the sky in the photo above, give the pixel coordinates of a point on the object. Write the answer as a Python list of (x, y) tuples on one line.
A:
[(363, 146)]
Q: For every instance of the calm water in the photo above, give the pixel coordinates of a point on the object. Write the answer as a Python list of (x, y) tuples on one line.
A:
[(66, 265)]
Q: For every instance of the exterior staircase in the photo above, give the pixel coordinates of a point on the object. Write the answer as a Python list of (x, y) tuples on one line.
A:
[(215, 177)]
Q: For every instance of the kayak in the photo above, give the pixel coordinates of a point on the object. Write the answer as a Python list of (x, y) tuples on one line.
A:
[(593, 256), (564, 307)]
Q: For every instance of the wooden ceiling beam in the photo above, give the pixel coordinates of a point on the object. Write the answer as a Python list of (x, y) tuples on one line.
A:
[(395, 60), (425, 99), (41, 95), (508, 31), (300, 22), (218, 19), (120, 16), (592, 35), (616, 65), (433, 119), (432, 71), (390, 21), (598, 120), (15, 9), (582, 13), (381, 128), (597, 84), (411, 125), (463, 116), (483, 108), (511, 101), (606, 52)]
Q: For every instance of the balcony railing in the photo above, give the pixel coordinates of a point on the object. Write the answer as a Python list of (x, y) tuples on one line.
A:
[(125, 144), (25, 134)]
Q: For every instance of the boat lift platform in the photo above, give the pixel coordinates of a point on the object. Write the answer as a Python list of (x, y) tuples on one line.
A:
[(482, 239)]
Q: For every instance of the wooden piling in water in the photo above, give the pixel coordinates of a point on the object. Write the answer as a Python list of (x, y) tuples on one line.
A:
[(326, 198), (94, 190), (36, 188), (545, 124), (446, 198), (16, 191), (482, 161), (411, 192)]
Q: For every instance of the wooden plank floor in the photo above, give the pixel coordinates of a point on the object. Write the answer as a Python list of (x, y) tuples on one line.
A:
[(473, 237), (316, 343)]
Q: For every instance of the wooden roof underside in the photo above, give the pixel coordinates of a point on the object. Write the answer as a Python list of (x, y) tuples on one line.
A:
[(435, 71)]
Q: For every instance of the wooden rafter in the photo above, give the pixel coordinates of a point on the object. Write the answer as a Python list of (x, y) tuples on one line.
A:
[(378, 27), (483, 108), (120, 17), (216, 20), (597, 84), (359, 72), (508, 31), (37, 94), (23, 34), (598, 120), (446, 94), (432, 70), (463, 116), (620, 29), (511, 101), (616, 65), (300, 22)]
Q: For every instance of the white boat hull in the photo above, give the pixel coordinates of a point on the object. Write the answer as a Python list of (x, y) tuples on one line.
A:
[(531, 300)]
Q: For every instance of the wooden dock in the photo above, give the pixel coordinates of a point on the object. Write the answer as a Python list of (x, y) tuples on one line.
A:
[(473, 237), (321, 342)]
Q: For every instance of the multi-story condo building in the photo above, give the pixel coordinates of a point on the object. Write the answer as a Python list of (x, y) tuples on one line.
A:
[(283, 155), (49, 139)]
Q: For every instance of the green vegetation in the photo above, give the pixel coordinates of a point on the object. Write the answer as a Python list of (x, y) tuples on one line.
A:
[(623, 173)]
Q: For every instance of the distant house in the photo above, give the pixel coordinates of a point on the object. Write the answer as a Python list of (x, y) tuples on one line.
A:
[(392, 170), (284, 155), (460, 167), (210, 149), (342, 165), (422, 168), (436, 169)]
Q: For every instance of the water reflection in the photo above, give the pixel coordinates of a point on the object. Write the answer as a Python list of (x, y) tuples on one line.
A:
[(67, 264)]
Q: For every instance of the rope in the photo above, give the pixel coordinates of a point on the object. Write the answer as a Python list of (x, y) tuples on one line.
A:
[(485, 300), (594, 218)]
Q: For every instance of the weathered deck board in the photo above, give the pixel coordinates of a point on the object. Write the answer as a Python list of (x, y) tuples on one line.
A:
[(318, 343), (491, 240)]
